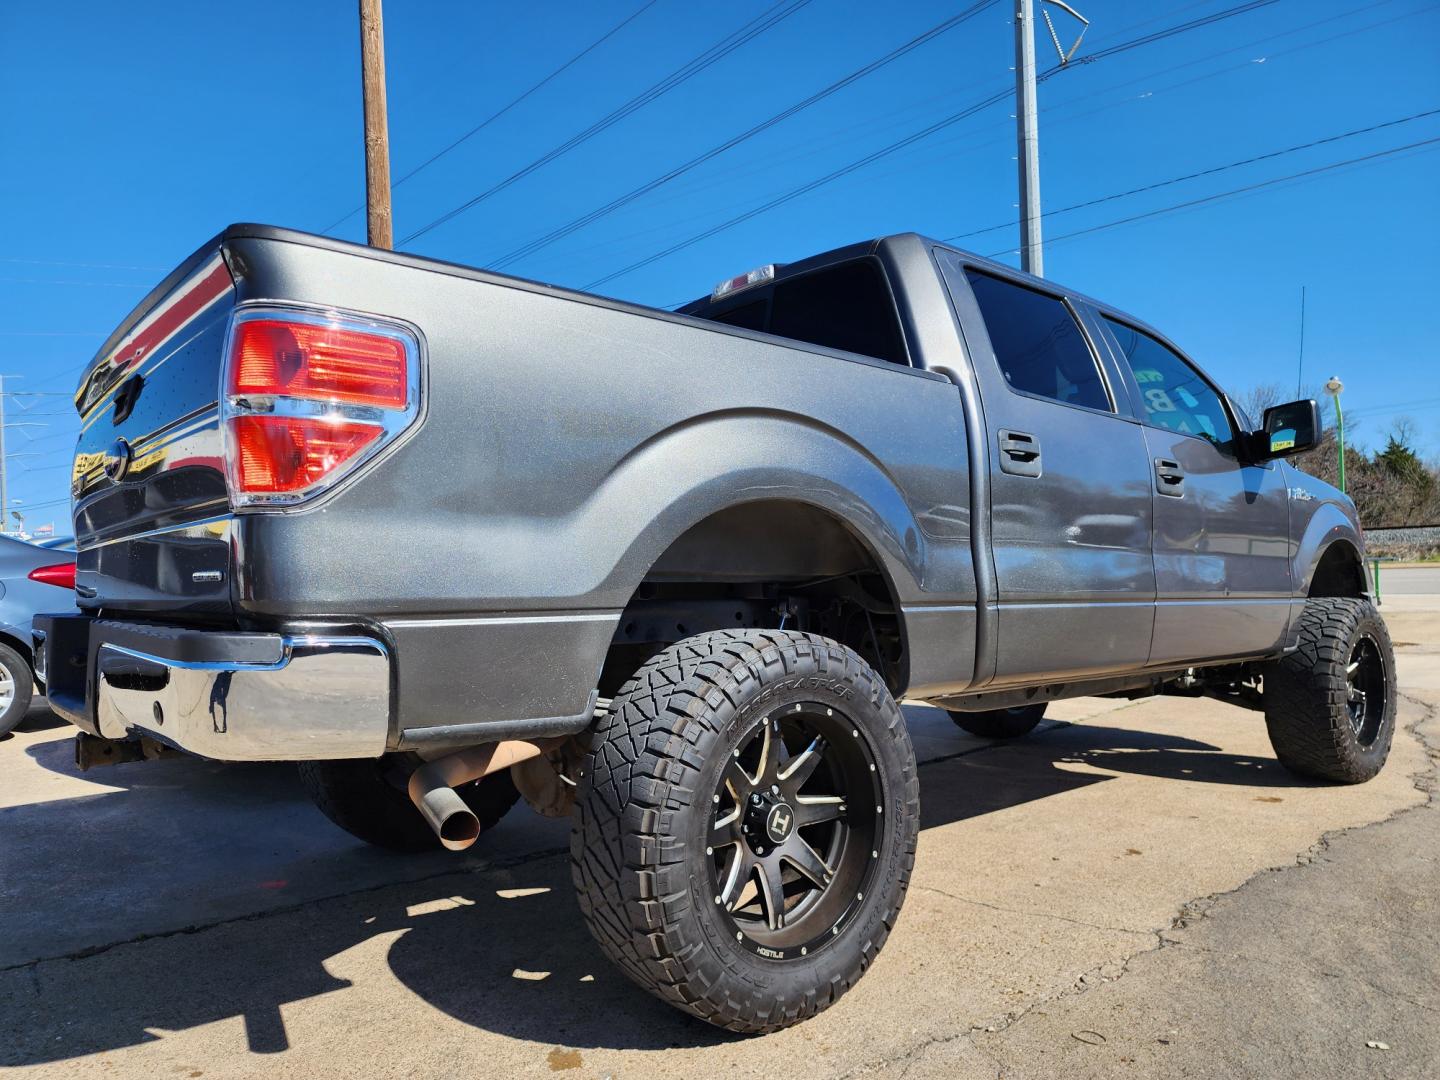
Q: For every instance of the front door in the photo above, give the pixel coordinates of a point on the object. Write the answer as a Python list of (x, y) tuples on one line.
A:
[(1222, 525), (1070, 496)]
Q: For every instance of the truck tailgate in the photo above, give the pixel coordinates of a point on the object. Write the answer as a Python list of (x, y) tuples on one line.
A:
[(152, 514)]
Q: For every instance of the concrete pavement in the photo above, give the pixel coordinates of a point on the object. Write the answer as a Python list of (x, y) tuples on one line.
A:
[(1137, 889)]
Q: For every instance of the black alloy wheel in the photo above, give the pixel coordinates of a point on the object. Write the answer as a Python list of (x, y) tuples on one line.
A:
[(792, 842), (1365, 690), (745, 825)]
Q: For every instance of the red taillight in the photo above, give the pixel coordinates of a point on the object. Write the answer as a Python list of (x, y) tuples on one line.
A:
[(309, 396), (61, 575), (283, 454), (330, 363)]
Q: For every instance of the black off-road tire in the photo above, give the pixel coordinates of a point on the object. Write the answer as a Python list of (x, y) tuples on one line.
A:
[(1307, 693), (642, 871), (1001, 723), (366, 797), (17, 668)]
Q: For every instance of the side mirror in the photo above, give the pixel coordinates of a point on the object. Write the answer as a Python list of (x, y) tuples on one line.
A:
[(1288, 429)]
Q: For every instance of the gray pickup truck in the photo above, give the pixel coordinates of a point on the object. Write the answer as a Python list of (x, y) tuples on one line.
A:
[(448, 538)]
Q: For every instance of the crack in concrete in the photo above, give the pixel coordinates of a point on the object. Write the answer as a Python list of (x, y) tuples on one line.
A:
[(1032, 914), (1424, 781)]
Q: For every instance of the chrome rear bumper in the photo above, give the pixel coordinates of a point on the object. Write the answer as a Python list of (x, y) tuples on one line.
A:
[(281, 698)]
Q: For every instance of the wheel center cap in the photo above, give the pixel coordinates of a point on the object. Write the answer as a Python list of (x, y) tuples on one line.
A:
[(779, 822)]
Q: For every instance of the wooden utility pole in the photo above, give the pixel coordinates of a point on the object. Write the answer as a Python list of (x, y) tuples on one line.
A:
[(379, 232)]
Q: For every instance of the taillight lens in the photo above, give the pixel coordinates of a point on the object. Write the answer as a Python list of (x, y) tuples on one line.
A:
[(61, 575), (309, 397), (292, 453), (275, 358)]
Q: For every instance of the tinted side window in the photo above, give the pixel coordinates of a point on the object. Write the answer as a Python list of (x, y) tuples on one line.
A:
[(1038, 344), (842, 307), (1176, 397)]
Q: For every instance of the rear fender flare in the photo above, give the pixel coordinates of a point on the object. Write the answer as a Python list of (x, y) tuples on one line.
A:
[(683, 475)]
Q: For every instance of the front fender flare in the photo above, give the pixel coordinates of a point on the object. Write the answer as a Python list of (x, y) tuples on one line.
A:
[(1329, 525)]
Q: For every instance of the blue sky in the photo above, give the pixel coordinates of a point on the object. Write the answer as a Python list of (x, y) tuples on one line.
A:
[(133, 132)]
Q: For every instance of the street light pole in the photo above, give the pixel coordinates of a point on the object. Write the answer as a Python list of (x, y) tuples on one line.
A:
[(1333, 388)]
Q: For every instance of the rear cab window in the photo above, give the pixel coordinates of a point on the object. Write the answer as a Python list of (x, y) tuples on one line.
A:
[(1038, 344), (847, 306)]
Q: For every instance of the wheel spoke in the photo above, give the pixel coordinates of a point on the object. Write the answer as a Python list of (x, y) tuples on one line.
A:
[(772, 892), (801, 767), (816, 809), (772, 750), (726, 828), (738, 782), (738, 867), (799, 854), (1350, 670)]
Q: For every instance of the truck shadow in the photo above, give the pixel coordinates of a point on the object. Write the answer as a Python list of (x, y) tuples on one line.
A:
[(499, 948)]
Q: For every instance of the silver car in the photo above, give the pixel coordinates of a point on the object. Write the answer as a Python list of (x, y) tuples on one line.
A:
[(31, 580)]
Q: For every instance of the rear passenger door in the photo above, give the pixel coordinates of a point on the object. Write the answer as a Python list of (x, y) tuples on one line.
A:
[(1069, 485), (1222, 525)]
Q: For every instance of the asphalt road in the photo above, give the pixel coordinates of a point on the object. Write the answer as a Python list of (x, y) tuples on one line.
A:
[(1138, 889), (1408, 581)]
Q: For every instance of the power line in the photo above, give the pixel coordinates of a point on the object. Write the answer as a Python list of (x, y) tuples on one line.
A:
[(86, 265), (1070, 119), (64, 373), (799, 150), (510, 105), (909, 140), (729, 144), (1235, 191), (804, 189), (588, 219), (771, 17), (1158, 35), (25, 507), (1206, 172), (66, 281)]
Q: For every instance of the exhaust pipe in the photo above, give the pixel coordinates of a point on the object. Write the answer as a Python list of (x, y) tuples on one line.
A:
[(432, 786)]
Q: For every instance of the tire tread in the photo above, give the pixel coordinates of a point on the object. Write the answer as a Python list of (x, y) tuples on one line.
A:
[(1305, 695), (629, 867)]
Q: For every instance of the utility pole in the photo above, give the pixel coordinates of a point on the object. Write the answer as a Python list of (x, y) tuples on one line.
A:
[(379, 231), (1027, 124), (1032, 260)]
